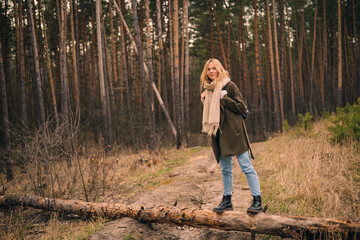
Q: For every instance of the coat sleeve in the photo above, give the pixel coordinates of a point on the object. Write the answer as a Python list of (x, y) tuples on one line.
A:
[(234, 100)]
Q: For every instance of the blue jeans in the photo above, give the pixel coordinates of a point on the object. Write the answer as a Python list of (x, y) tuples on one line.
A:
[(247, 168)]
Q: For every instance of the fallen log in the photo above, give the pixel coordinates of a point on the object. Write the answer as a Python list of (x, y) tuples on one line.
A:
[(296, 227)]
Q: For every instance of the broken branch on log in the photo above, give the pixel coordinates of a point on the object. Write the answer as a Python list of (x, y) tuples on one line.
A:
[(296, 227)]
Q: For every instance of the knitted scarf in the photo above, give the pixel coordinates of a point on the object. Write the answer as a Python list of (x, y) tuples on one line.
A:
[(211, 111)]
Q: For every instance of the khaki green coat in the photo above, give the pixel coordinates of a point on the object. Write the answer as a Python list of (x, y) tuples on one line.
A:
[(232, 137)]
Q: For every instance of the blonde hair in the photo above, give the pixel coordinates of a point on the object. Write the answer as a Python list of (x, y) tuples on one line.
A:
[(219, 67)]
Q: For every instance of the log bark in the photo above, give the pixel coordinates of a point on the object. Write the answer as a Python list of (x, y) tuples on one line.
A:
[(296, 227)]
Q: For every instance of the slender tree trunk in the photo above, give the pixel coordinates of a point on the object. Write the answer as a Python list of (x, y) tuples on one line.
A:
[(246, 75), (161, 52), (221, 45), (300, 59), (293, 114), (354, 54), (64, 83), (151, 72), (280, 91), (126, 81), (340, 81), (104, 102), (181, 80), (211, 32), (179, 123), (144, 86), (313, 60), (49, 70), (228, 55), (273, 79), (22, 84), (5, 119), (74, 59), (268, 100), (260, 102), (282, 50), (186, 69), (35, 56), (325, 57), (172, 74), (109, 91), (93, 77), (114, 59)]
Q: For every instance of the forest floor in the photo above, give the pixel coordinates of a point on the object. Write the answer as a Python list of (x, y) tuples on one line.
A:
[(194, 184), (301, 174)]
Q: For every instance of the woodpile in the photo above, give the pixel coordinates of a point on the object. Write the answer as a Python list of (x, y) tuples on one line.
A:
[(284, 226)]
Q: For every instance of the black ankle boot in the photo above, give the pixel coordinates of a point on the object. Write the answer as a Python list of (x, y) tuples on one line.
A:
[(256, 206), (225, 205)]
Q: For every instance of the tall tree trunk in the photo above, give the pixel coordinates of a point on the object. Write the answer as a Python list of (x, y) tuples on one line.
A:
[(162, 53), (178, 122), (21, 57), (354, 54), (260, 102), (339, 87), (268, 100), (74, 59), (172, 74), (186, 69), (325, 57), (114, 59), (64, 82), (181, 80), (217, 24), (228, 55), (293, 114), (109, 92), (246, 75), (49, 70), (5, 119), (104, 102), (300, 58), (39, 92), (144, 86), (282, 50), (313, 60), (273, 79), (151, 72), (126, 80), (279, 79)]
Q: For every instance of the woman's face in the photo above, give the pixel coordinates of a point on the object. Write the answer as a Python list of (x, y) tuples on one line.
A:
[(212, 72)]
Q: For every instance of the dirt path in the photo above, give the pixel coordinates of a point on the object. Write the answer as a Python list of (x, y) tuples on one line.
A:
[(196, 184)]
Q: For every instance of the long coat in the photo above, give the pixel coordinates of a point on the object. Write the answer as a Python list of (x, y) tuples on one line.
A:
[(232, 137)]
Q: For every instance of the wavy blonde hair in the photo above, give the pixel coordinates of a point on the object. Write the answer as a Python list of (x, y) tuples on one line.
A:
[(219, 67)]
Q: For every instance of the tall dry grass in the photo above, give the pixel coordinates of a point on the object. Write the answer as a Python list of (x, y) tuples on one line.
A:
[(302, 174)]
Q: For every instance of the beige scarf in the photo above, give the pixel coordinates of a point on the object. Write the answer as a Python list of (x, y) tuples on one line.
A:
[(211, 112)]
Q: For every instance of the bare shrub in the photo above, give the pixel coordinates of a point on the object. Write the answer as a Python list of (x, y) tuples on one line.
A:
[(40, 151)]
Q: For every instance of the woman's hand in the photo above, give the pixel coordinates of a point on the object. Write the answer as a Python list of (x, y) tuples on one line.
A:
[(203, 96)]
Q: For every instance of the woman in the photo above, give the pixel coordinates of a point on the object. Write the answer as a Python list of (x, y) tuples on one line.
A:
[(223, 113)]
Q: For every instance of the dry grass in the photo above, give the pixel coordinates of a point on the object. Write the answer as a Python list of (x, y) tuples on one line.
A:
[(300, 172), (303, 174), (106, 179)]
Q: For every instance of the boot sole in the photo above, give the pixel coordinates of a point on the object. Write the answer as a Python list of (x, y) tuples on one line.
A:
[(220, 211), (254, 211)]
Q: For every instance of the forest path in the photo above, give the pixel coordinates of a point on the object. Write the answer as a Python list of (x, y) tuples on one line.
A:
[(195, 184)]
